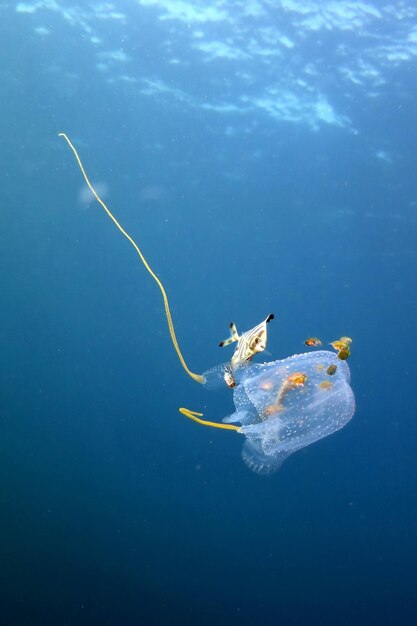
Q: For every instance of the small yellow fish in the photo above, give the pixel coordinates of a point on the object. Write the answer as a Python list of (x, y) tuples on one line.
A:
[(331, 370), (293, 381), (297, 379), (347, 340), (271, 409), (344, 353), (326, 384), (313, 342), (339, 345), (342, 347)]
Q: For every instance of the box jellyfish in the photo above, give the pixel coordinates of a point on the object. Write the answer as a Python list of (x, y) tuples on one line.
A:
[(286, 405)]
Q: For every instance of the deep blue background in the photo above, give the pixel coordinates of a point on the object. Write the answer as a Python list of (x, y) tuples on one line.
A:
[(115, 509)]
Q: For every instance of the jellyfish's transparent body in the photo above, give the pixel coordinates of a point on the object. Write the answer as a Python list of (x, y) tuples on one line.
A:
[(279, 416)]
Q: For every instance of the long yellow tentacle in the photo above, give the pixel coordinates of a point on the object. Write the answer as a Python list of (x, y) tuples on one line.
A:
[(196, 377), (193, 415)]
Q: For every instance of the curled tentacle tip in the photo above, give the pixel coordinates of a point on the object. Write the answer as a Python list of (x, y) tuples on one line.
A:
[(189, 413)]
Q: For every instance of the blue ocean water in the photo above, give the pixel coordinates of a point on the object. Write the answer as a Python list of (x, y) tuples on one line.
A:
[(263, 155)]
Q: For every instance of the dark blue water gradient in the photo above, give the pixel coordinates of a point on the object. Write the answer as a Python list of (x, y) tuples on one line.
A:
[(115, 509)]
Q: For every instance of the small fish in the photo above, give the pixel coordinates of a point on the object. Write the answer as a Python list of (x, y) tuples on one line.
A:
[(248, 344), (339, 345), (271, 410), (228, 377), (313, 342), (331, 370), (342, 347), (326, 384), (347, 340), (297, 379), (344, 353), (293, 381)]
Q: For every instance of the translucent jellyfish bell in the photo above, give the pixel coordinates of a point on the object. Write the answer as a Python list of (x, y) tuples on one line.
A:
[(286, 405)]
